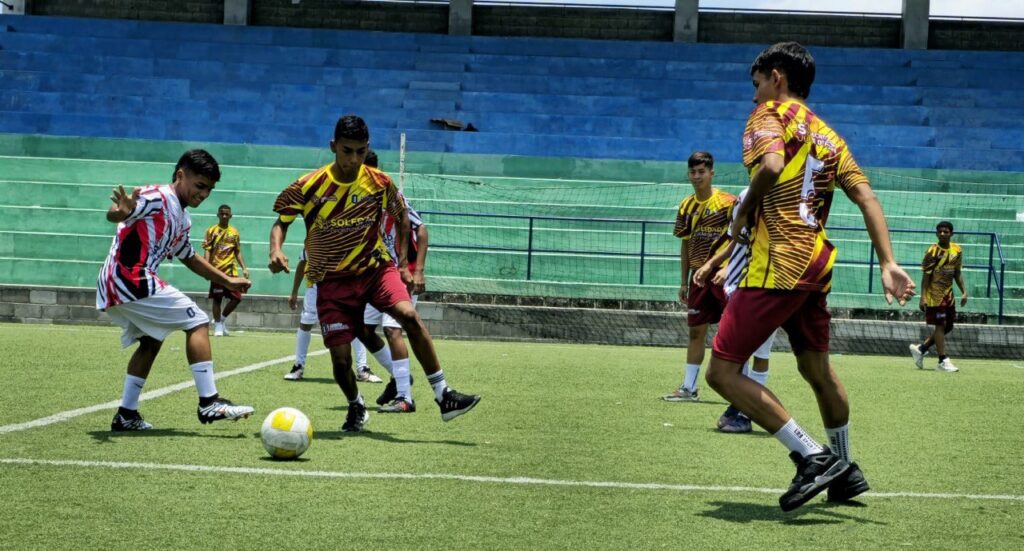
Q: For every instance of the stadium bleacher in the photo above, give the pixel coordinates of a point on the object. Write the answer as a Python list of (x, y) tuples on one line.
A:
[(941, 130)]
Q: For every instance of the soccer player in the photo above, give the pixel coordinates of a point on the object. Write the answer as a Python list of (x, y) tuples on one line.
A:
[(152, 224), (795, 161), (941, 266), (702, 220), (733, 420), (341, 204), (223, 246)]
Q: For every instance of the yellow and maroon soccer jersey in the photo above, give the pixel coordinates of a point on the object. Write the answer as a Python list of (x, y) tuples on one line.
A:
[(343, 220), (225, 244), (943, 265), (789, 248), (703, 223)]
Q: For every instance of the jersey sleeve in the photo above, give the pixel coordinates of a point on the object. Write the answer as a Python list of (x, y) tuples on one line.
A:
[(930, 261), (394, 202), (209, 238), (149, 203), (683, 228), (848, 173), (763, 134), (290, 203)]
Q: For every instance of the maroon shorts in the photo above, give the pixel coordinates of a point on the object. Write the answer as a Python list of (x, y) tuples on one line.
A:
[(340, 303), (940, 315), (217, 291), (753, 314), (705, 304)]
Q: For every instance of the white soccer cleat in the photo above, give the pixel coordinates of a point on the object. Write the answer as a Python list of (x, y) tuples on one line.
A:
[(295, 374), (218, 329), (947, 366), (915, 352), (224, 328)]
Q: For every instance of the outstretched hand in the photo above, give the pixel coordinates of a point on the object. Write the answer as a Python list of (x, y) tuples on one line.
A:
[(124, 202), (238, 284), (897, 284), (278, 263)]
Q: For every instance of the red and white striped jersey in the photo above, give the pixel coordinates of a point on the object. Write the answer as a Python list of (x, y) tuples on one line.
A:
[(389, 229), (157, 229)]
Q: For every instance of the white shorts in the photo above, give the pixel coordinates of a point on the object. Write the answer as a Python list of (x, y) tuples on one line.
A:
[(765, 350), (374, 317), (309, 315), (156, 316)]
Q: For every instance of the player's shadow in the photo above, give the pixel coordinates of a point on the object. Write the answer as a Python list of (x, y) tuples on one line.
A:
[(108, 437), (812, 514), (386, 437), (320, 380), (752, 434)]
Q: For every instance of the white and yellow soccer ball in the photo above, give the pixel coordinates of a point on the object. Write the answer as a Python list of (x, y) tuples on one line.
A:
[(286, 433)]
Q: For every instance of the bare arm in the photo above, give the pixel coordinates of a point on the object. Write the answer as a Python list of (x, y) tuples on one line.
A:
[(419, 284), (926, 281), (684, 270), (963, 288), (702, 273), (762, 181), (300, 274), (204, 269), (402, 248), (896, 283), (241, 261), (278, 261)]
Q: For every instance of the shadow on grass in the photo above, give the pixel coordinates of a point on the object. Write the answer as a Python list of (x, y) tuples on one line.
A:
[(386, 437), (106, 436), (752, 434), (813, 514)]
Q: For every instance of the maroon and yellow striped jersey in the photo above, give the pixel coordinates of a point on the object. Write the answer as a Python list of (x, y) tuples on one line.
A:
[(343, 220), (225, 244), (943, 265), (703, 223), (789, 248)]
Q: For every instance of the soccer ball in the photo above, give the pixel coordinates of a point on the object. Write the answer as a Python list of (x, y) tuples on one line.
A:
[(286, 433)]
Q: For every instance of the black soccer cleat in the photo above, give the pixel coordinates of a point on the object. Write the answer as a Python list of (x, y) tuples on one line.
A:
[(126, 420), (390, 392), (356, 419), (454, 404), (814, 473), (222, 408), (848, 485)]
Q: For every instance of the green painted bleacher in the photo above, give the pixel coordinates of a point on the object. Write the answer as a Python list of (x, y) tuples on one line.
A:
[(54, 192)]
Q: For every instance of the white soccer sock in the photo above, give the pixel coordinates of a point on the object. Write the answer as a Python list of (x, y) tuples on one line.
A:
[(690, 380), (758, 377), (302, 339), (839, 441), (202, 372), (794, 438), (360, 352), (132, 390), (401, 375), (438, 383), (383, 357)]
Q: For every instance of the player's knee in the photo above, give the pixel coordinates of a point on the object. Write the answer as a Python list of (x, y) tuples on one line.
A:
[(409, 320), (149, 345), (341, 357), (715, 377)]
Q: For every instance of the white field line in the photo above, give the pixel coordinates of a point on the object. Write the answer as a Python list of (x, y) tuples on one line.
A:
[(71, 414), (518, 480)]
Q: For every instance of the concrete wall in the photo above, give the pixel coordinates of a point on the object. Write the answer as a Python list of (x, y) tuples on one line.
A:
[(367, 16), (814, 30), (500, 317), (565, 22), (192, 11), (974, 35)]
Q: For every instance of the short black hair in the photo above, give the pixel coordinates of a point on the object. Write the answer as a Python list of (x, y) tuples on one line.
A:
[(223, 207), (199, 161), (792, 59), (351, 127), (701, 158), (944, 224), (371, 159)]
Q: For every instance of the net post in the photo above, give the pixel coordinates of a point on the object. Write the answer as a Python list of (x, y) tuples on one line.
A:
[(643, 242), (401, 163), (529, 251)]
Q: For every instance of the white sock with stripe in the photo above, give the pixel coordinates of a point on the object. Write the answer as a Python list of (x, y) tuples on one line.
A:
[(839, 441), (797, 440), (383, 357), (132, 390), (690, 380), (302, 339), (202, 373), (401, 374)]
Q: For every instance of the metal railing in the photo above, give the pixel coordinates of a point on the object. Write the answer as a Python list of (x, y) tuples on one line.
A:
[(995, 273)]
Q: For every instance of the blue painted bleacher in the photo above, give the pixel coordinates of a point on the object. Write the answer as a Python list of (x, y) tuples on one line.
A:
[(539, 97)]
